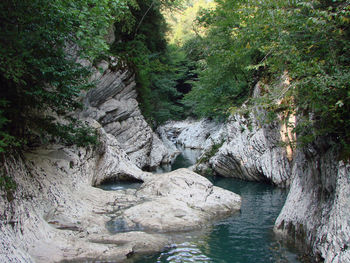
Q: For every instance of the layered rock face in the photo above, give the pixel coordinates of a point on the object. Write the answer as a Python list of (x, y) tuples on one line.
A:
[(194, 134), (113, 104), (246, 151), (55, 214), (252, 151), (242, 147), (317, 210)]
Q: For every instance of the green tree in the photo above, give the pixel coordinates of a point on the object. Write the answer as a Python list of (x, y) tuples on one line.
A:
[(251, 40), (158, 67), (39, 76)]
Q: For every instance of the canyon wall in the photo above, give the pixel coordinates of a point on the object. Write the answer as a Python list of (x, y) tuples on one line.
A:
[(113, 104), (317, 211), (243, 147)]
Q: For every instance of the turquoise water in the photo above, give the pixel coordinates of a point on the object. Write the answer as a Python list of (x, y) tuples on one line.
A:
[(119, 186), (187, 158), (246, 237)]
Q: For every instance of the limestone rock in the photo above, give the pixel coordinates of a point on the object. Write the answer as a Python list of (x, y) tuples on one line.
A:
[(317, 210), (179, 201), (192, 133), (56, 215), (113, 103), (252, 152)]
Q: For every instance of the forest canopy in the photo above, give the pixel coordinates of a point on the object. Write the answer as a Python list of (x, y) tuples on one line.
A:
[(250, 41), (209, 68)]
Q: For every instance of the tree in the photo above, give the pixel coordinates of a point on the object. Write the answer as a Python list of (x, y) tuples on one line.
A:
[(39, 80), (251, 40), (158, 68)]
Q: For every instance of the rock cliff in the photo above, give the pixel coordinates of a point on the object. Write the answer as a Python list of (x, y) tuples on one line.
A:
[(113, 104), (193, 134), (252, 151), (56, 214), (242, 147), (317, 210)]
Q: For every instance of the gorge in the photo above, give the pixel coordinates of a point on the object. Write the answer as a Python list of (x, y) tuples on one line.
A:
[(93, 99)]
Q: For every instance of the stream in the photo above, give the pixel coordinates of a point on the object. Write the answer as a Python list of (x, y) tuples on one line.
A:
[(245, 237)]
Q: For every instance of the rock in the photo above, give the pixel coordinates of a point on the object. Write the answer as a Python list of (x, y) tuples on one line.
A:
[(317, 211), (194, 134), (246, 149), (56, 215), (179, 201), (55, 210), (113, 103), (243, 148), (252, 152)]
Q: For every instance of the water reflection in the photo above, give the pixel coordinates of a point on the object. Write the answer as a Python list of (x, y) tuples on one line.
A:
[(186, 158), (121, 185), (245, 237)]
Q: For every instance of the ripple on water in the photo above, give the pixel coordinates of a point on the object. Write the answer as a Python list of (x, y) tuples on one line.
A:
[(246, 237)]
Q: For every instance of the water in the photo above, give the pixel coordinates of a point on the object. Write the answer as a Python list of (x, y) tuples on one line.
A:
[(121, 185), (246, 237), (187, 158)]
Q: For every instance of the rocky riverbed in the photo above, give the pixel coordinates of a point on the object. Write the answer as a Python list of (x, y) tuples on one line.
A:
[(56, 214)]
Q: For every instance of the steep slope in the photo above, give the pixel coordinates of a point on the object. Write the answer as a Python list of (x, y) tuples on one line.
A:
[(113, 104), (317, 210)]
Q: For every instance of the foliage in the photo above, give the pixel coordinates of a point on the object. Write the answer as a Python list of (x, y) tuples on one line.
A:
[(182, 22), (223, 58), (308, 40), (210, 152), (38, 69), (7, 183), (159, 68)]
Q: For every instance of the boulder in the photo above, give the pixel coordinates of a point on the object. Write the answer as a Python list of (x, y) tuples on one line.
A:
[(57, 215), (178, 201)]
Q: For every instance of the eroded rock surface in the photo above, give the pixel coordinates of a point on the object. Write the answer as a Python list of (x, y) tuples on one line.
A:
[(195, 134), (317, 210), (253, 152), (178, 201), (55, 214), (113, 104)]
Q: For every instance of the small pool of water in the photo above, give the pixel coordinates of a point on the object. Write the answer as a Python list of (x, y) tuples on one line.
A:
[(186, 158), (245, 237), (122, 185)]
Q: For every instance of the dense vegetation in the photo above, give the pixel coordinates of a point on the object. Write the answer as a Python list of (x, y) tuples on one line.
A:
[(160, 68), (39, 76), (253, 40), (209, 69)]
